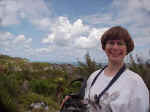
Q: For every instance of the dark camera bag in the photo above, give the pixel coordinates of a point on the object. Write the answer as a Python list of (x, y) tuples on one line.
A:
[(74, 103)]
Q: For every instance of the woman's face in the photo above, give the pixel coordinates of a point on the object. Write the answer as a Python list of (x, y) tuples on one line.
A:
[(116, 50)]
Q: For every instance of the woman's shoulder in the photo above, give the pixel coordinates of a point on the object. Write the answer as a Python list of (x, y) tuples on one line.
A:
[(139, 85), (93, 75), (135, 78), (133, 75)]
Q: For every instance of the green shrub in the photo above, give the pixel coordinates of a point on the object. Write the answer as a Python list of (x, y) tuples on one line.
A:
[(8, 93), (45, 87)]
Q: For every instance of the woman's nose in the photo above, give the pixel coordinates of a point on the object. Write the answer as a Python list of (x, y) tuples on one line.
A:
[(115, 45)]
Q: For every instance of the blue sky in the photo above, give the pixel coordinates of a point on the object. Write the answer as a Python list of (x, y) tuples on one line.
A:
[(65, 30)]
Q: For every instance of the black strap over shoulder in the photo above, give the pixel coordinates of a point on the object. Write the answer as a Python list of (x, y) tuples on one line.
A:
[(98, 75), (122, 69)]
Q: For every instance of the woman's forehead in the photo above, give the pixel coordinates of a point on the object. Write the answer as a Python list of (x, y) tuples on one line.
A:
[(115, 39)]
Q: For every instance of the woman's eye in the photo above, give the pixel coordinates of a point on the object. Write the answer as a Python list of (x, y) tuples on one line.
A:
[(111, 43), (120, 43)]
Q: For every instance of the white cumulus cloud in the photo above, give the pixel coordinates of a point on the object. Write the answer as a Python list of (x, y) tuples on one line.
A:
[(12, 11), (11, 42), (76, 34)]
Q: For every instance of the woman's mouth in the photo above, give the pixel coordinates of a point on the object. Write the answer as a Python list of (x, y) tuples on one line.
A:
[(116, 54)]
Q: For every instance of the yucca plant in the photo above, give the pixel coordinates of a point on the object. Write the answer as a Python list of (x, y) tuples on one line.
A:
[(87, 67)]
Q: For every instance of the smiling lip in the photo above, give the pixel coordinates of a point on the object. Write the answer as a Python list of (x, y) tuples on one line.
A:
[(116, 54)]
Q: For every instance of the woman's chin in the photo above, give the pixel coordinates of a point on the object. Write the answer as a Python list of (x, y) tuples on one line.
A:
[(115, 60)]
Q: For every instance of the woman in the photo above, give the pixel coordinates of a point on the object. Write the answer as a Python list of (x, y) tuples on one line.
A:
[(128, 93), (116, 88)]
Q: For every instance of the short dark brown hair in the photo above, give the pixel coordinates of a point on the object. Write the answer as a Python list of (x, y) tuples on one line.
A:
[(118, 33)]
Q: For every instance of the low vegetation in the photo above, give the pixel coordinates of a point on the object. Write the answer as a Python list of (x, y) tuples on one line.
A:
[(24, 83)]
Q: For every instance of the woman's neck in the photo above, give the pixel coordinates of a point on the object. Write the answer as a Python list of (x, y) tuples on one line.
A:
[(112, 68)]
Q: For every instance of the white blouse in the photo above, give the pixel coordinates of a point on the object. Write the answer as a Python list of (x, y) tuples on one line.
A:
[(128, 94)]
